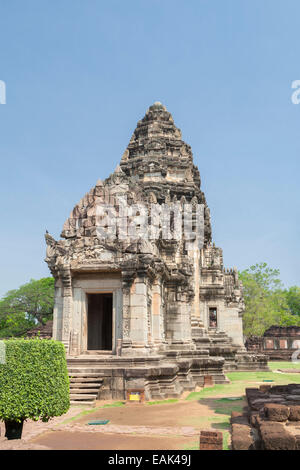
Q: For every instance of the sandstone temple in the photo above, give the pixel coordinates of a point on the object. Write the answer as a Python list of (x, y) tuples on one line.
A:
[(149, 315)]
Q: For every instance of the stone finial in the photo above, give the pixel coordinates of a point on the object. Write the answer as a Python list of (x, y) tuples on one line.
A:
[(158, 106)]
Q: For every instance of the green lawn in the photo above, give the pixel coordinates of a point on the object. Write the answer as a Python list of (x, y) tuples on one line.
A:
[(284, 365), (241, 380)]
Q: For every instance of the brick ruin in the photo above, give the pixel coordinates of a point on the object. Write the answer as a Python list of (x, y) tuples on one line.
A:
[(271, 420), (211, 440), (278, 342), (155, 315), (42, 331)]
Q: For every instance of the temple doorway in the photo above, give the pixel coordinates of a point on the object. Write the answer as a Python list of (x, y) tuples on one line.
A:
[(100, 322)]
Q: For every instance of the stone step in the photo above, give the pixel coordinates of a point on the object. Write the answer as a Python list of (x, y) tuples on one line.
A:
[(86, 381), (84, 391), (224, 340), (83, 402), (85, 385), (80, 396), (220, 337), (86, 374)]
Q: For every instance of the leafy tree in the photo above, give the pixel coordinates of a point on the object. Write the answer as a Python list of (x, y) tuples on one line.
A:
[(15, 324), (266, 301), (293, 299), (30, 305)]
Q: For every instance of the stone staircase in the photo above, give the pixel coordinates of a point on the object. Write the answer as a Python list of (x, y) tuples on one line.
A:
[(218, 343), (84, 386), (221, 345)]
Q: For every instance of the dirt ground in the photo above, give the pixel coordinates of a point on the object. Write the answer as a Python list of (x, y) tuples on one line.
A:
[(181, 413), (61, 440), (132, 426)]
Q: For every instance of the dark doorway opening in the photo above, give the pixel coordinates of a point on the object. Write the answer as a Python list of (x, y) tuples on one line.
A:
[(213, 321), (100, 322)]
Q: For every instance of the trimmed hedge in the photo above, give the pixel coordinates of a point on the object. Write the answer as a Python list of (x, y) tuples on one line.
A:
[(34, 380)]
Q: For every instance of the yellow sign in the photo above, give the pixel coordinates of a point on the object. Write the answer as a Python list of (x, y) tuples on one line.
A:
[(134, 397)]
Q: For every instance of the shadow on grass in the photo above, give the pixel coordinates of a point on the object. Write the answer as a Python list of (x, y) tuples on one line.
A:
[(224, 425), (223, 408)]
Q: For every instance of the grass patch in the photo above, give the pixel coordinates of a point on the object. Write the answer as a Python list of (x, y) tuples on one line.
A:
[(78, 416), (227, 411), (229, 399), (222, 425), (283, 365), (248, 378), (226, 440), (162, 402), (241, 380), (91, 410), (192, 446), (113, 405), (216, 419), (210, 392)]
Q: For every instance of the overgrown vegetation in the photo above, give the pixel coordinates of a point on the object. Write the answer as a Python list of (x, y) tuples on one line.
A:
[(29, 306), (267, 302), (34, 380)]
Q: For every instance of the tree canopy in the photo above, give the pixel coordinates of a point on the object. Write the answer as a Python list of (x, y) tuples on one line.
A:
[(267, 302), (293, 299), (30, 305)]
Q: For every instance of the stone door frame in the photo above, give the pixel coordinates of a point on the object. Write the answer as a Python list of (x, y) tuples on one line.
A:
[(100, 290)]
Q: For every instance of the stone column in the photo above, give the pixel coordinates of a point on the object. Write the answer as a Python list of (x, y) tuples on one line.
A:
[(76, 335), (179, 334), (67, 307), (135, 324), (126, 340), (195, 307), (158, 332), (57, 312)]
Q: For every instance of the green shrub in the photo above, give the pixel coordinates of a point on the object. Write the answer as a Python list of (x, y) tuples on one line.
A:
[(34, 380)]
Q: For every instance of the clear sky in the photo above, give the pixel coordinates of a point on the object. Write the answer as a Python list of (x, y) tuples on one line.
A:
[(80, 74)]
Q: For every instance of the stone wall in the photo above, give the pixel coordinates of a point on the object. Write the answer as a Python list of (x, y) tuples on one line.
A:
[(42, 331), (279, 343)]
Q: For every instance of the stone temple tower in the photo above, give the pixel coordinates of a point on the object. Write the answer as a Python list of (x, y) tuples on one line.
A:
[(155, 314)]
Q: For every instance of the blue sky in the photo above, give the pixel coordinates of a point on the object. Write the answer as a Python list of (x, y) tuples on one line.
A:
[(80, 74)]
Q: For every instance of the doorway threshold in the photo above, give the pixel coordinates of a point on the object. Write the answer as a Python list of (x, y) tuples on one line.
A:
[(98, 352)]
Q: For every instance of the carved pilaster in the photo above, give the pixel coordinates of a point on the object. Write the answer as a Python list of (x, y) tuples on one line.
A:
[(67, 305)]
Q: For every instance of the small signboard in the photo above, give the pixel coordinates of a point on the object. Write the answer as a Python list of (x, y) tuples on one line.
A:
[(135, 396)]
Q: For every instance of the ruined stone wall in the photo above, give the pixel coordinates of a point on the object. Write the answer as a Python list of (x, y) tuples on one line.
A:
[(279, 343)]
